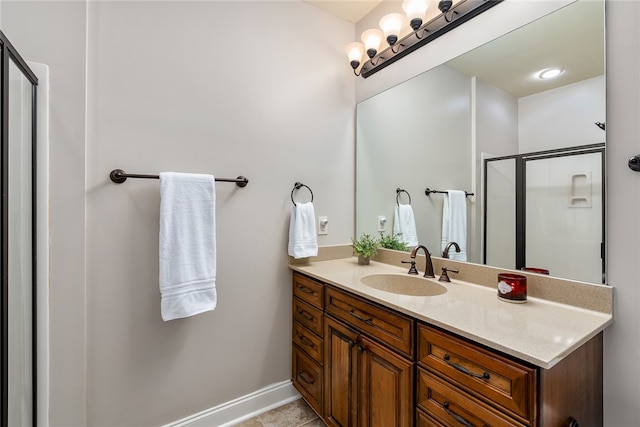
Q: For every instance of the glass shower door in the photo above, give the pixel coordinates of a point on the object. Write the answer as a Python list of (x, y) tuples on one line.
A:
[(500, 214), (564, 222), (546, 210)]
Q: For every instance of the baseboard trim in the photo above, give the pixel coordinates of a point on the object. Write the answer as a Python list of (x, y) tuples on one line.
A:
[(242, 408)]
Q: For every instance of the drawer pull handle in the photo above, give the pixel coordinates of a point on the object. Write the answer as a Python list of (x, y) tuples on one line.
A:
[(368, 321), (455, 416), (304, 340), (305, 315), (484, 376), (306, 377), (305, 289)]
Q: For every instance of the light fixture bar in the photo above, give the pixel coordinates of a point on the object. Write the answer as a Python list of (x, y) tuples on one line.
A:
[(441, 24)]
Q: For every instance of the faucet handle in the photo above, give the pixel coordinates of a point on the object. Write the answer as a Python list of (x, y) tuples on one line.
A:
[(444, 277), (412, 269)]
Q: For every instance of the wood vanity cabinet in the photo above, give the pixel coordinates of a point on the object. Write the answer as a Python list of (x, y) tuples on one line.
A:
[(368, 381), (358, 363)]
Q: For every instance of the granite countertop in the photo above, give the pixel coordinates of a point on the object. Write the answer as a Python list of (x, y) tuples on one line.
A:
[(539, 331)]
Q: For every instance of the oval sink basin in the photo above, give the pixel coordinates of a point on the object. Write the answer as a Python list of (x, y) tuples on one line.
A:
[(404, 284)]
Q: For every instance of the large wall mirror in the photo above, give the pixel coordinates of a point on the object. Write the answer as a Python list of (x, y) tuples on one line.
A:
[(529, 149)]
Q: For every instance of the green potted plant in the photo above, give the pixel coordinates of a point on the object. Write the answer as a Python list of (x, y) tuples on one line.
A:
[(392, 241), (365, 247)]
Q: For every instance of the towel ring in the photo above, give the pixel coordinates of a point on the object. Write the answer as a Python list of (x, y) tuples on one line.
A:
[(297, 186), (398, 191)]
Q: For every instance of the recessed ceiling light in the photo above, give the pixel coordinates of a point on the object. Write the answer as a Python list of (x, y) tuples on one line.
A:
[(549, 73)]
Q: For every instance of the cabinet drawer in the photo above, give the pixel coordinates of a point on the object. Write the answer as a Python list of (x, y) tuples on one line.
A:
[(308, 290), (308, 341), (307, 378), (385, 325), (479, 371), (450, 406), (308, 316)]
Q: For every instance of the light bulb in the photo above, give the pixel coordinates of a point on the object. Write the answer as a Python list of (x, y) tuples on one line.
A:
[(372, 39), (549, 73), (415, 11), (391, 25), (354, 51)]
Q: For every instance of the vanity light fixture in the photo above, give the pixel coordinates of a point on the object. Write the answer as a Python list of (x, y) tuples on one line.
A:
[(452, 16), (549, 73)]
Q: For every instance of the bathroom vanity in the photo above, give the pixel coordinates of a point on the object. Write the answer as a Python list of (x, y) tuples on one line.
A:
[(362, 356)]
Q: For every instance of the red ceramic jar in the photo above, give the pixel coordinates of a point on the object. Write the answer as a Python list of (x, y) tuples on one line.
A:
[(512, 287)]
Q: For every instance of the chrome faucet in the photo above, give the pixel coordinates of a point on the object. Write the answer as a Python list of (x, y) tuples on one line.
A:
[(445, 253), (429, 268)]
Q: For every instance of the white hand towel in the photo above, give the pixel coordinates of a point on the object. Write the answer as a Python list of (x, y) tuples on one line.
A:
[(404, 222), (302, 231), (187, 244), (454, 223)]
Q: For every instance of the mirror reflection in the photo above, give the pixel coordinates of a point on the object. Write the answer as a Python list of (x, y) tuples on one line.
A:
[(468, 123)]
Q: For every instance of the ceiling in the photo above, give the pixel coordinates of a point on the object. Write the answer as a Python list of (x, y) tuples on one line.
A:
[(570, 38), (350, 10)]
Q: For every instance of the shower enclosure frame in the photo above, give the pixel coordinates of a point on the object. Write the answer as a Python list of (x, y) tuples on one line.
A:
[(520, 199), (8, 54)]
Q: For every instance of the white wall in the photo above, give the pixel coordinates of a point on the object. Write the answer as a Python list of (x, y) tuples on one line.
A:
[(495, 133), (548, 120), (181, 86), (622, 339)]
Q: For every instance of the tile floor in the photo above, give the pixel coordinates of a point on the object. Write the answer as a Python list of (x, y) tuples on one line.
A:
[(294, 414)]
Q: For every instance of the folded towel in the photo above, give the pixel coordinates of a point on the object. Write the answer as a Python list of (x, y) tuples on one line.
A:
[(187, 244), (405, 223), (302, 231), (454, 223)]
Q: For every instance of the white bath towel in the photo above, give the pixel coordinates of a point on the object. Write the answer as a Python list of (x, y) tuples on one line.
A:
[(404, 222), (302, 231), (454, 223), (187, 244)]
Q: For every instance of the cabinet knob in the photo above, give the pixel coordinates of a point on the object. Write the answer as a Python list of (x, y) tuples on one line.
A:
[(573, 423)]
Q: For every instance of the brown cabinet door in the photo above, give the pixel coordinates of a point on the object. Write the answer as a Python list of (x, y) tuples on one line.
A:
[(340, 370), (385, 386)]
